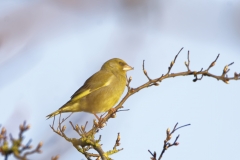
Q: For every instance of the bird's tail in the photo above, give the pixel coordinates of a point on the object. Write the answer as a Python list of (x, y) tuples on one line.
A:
[(54, 114), (68, 107)]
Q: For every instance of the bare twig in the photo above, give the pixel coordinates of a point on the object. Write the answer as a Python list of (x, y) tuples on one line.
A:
[(167, 144), (87, 137), (55, 157), (19, 150), (86, 141), (173, 62), (213, 63), (188, 63), (117, 143), (152, 82)]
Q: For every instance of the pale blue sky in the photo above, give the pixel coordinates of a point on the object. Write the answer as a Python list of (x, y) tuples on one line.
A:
[(49, 48)]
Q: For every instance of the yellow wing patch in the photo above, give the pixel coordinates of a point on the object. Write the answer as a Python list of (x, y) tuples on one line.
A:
[(83, 94), (86, 92)]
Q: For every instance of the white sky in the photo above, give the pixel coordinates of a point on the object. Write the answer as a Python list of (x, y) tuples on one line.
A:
[(49, 48)]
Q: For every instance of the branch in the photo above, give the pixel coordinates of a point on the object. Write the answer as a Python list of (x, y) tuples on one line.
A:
[(87, 138), (55, 157), (17, 147), (167, 144), (86, 142), (156, 81)]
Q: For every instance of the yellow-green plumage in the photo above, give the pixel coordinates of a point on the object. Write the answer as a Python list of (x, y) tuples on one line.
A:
[(101, 91)]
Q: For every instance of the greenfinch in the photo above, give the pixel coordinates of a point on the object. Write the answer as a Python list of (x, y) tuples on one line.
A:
[(101, 91)]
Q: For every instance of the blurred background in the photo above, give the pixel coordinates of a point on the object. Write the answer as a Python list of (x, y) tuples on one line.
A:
[(49, 48)]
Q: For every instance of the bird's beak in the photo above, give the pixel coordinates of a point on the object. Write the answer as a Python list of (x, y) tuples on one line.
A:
[(127, 67)]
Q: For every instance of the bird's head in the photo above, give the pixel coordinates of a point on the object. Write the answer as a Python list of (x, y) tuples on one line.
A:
[(116, 65)]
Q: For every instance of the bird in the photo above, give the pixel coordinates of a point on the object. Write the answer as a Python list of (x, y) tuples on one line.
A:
[(101, 91)]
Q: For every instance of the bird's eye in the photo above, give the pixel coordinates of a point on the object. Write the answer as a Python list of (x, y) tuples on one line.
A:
[(121, 63)]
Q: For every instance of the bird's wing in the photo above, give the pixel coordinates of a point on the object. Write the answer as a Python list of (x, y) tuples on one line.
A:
[(95, 82)]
